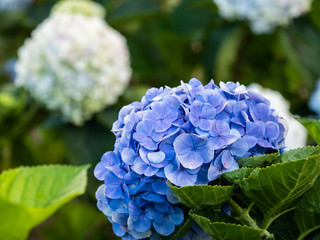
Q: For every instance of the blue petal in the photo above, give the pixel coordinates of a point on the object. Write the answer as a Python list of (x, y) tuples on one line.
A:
[(239, 148), (118, 230), (114, 191), (128, 155), (142, 224), (160, 186), (272, 130), (182, 144), (227, 159), (134, 211), (165, 228), (156, 157), (191, 160), (152, 197), (185, 179), (177, 217), (99, 171)]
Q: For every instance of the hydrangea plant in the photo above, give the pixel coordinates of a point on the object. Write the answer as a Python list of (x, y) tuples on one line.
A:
[(262, 15), (189, 135), (74, 62)]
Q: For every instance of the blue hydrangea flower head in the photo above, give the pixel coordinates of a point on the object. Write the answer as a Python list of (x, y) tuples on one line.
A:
[(189, 135)]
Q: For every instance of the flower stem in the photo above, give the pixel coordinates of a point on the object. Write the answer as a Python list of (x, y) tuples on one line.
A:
[(244, 218), (303, 235)]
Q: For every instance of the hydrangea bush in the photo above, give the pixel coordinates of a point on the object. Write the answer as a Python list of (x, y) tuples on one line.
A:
[(74, 62), (189, 135), (262, 15)]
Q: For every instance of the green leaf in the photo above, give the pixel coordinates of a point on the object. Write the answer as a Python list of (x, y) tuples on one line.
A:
[(220, 226), (284, 228), (313, 127), (237, 175), (200, 196), (258, 161), (29, 195), (307, 214), (298, 153), (274, 189)]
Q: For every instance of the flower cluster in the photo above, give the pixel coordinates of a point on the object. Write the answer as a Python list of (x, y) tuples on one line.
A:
[(297, 135), (188, 135), (74, 63), (315, 99), (263, 15), (14, 5)]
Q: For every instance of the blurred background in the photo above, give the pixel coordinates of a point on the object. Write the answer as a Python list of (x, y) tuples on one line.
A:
[(168, 41)]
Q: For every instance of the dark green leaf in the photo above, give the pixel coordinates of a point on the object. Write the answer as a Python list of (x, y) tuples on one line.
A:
[(258, 161), (307, 214), (237, 175), (221, 226), (200, 196), (296, 154), (275, 188), (284, 228)]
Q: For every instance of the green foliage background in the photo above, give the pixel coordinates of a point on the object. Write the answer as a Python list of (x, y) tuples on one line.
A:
[(169, 41)]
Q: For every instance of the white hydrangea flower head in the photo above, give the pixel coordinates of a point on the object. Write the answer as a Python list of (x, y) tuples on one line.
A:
[(14, 5), (74, 63), (263, 15), (297, 134)]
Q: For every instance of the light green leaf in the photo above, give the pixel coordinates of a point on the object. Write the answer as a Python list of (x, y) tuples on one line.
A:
[(307, 214), (29, 195), (313, 127), (199, 196), (220, 226), (274, 189), (237, 175), (298, 153), (258, 161)]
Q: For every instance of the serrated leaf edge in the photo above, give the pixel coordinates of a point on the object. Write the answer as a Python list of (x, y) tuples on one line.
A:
[(232, 224), (276, 165)]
